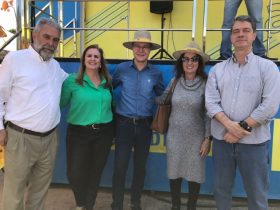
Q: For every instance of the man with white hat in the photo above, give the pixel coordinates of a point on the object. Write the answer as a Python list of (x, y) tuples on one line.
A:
[(139, 82)]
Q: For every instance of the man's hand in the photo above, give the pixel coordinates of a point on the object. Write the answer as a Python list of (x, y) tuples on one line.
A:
[(3, 137), (231, 126), (230, 138), (236, 130)]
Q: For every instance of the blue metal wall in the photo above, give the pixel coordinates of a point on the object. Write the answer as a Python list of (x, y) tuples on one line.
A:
[(156, 178)]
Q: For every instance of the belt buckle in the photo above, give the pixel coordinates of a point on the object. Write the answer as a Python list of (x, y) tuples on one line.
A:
[(93, 127)]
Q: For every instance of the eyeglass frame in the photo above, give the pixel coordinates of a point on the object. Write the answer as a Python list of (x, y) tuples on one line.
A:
[(194, 59), (145, 47)]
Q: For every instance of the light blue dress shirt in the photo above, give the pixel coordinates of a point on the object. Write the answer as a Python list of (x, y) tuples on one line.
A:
[(138, 89), (241, 91)]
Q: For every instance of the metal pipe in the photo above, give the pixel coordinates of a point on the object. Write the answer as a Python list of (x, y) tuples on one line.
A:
[(82, 24), (205, 15), (60, 21), (43, 10), (194, 19), (124, 29), (269, 27), (17, 34), (51, 9), (74, 32), (128, 26), (24, 22), (19, 23)]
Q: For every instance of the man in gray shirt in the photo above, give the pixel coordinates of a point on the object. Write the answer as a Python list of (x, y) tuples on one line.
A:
[(242, 96)]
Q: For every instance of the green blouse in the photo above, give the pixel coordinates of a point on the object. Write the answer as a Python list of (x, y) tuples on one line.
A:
[(88, 104)]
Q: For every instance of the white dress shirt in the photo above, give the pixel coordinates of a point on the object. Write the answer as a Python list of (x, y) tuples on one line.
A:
[(30, 90)]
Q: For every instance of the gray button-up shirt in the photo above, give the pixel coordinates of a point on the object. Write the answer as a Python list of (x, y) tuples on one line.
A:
[(240, 91)]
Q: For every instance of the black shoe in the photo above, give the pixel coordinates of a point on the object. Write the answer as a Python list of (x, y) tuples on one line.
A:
[(221, 58), (273, 59)]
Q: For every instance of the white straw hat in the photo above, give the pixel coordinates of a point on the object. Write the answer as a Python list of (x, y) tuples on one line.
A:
[(144, 37), (192, 47)]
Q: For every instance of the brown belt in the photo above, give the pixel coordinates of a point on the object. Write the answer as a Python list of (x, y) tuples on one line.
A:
[(23, 130)]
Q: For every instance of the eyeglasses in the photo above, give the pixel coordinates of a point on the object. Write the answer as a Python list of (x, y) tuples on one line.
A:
[(144, 47), (194, 59)]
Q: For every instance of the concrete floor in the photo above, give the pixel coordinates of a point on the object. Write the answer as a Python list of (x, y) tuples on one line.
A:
[(60, 197)]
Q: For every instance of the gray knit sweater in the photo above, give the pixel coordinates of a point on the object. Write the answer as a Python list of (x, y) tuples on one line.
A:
[(188, 125)]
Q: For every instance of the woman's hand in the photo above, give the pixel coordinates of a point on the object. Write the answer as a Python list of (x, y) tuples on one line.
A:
[(3, 137), (205, 147)]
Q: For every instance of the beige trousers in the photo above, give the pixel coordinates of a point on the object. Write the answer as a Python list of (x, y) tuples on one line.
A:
[(29, 163)]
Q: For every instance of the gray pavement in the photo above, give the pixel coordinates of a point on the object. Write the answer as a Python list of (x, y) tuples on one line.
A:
[(60, 197)]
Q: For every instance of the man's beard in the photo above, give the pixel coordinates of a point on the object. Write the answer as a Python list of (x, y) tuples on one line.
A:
[(46, 52)]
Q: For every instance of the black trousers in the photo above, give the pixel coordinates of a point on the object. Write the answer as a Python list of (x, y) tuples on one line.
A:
[(87, 153)]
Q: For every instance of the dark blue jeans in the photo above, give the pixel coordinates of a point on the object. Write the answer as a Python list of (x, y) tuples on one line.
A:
[(253, 163), (254, 8), (136, 136), (87, 152)]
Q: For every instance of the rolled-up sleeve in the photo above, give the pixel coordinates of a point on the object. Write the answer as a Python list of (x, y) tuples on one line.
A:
[(5, 85), (212, 95), (270, 95), (161, 99), (66, 91), (116, 77)]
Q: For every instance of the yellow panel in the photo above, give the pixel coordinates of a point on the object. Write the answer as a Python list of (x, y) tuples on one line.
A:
[(158, 143), (1, 157), (275, 164), (140, 17)]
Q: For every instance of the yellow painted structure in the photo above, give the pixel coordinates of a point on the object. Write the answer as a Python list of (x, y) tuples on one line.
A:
[(275, 163), (137, 15)]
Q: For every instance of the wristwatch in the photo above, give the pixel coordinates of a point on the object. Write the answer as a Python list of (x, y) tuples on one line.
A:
[(243, 124)]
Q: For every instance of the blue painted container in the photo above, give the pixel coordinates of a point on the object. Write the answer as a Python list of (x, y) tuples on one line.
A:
[(156, 178)]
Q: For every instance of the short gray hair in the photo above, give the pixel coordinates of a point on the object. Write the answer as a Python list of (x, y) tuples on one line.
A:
[(46, 21)]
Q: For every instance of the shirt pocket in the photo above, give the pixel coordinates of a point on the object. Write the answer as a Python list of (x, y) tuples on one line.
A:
[(250, 85), (147, 86)]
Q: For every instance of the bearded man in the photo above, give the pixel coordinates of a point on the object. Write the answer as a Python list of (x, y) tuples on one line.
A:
[(30, 86)]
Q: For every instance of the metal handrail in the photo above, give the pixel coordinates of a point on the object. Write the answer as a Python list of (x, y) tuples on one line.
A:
[(10, 40), (269, 26), (122, 29), (107, 19), (72, 21), (27, 26), (43, 10), (99, 14)]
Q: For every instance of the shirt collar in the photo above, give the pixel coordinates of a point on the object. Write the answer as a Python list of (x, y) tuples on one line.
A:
[(88, 81), (247, 58), (134, 66), (35, 54)]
